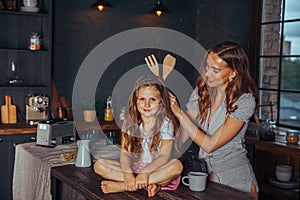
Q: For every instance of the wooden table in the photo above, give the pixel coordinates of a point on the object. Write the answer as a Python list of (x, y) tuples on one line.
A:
[(70, 182)]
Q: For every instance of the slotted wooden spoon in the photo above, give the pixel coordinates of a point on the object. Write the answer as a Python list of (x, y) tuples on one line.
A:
[(152, 64)]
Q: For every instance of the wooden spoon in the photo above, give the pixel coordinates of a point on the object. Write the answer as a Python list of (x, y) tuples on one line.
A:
[(168, 65)]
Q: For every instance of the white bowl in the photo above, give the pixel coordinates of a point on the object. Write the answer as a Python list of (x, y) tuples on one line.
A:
[(283, 176), (30, 9), (30, 3), (284, 168)]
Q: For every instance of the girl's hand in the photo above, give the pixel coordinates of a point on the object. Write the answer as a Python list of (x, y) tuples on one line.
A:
[(129, 182), (174, 105), (141, 180)]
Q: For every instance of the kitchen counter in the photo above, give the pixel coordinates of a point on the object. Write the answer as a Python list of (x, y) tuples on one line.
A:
[(70, 182), (8, 129), (23, 128)]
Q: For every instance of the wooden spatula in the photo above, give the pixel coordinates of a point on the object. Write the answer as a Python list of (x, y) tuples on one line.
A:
[(168, 65), (8, 112)]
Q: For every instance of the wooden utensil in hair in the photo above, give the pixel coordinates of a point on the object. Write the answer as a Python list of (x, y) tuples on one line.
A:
[(152, 64), (168, 65)]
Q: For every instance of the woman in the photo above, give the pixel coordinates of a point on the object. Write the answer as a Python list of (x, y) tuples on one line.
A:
[(218, 113)]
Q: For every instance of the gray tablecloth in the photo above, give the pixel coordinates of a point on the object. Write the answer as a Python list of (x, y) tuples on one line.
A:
[(31, 178)]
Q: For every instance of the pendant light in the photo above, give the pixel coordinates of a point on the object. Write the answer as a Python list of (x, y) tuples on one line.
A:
[(159, 8), (101, 5)]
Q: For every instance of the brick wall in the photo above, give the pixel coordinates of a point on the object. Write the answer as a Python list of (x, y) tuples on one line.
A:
[(270, 47)]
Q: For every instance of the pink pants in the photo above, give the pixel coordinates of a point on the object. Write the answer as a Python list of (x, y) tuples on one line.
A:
[(173, 185)]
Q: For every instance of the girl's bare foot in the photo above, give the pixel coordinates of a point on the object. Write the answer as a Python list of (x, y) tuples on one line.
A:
[(112, 187), (153, 189)]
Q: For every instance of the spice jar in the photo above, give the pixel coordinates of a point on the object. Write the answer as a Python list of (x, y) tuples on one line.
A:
[(292, 136), (35, 42)]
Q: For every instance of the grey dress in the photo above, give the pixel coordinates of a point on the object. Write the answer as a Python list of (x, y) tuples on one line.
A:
[(229, 164)]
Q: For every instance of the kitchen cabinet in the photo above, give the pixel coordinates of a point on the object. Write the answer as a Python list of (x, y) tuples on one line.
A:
[(7, 158), (32, 66), (267, 154), (5, 167)]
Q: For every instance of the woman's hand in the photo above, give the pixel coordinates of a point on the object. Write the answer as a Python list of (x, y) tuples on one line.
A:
[(129, 182), (142, 180)]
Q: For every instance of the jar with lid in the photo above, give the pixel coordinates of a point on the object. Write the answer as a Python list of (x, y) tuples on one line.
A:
[(267, 130), (292, 136), (35, 42)]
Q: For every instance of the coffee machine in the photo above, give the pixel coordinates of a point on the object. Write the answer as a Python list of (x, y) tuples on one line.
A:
[(36, 108)]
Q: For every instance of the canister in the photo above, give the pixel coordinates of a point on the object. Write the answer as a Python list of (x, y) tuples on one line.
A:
[(292, 136)]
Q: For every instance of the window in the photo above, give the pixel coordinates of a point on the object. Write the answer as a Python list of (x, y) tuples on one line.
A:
[(279, 62)]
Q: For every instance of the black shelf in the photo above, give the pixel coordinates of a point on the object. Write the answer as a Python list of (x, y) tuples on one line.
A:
[(22, 50), (21, 87), (38, 14)]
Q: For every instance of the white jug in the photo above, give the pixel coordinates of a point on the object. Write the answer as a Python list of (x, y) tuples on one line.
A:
[(83, 158)]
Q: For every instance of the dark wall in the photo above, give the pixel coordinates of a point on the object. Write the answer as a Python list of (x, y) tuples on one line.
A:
[(79, 29)]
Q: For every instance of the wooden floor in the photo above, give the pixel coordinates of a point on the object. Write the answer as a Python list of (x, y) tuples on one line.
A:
[(70, 182)]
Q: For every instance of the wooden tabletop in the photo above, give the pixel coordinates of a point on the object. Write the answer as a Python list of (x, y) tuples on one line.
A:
[(86, 182)]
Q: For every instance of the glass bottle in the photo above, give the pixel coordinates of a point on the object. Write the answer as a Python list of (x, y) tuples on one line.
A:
[(122, 114), (108, 112), (267, 130), (13, 77)]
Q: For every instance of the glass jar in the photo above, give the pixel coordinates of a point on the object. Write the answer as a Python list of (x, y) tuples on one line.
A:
[(292, 136), (11, 4), (122, 114), (35, 42), (267, 130)]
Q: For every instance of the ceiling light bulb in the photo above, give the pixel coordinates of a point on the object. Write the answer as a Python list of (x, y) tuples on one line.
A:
[(100, 7)]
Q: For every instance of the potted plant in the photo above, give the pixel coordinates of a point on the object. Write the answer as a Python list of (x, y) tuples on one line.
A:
[(89, 109)]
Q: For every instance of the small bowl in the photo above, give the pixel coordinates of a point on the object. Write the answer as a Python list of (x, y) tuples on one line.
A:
[(30, 9), (30, 3), (283, 176), (284, 168)]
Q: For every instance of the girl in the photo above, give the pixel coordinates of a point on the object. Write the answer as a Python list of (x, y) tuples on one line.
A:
[(147, 141), (218, 113)]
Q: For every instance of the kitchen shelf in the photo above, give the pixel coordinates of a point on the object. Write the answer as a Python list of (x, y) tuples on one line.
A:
[(21, 87), (267, 154), (34, 67), (22, 50), (40, 14)]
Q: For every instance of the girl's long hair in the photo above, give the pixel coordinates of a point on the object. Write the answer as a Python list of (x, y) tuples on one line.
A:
[(131, 135), (237, 60)]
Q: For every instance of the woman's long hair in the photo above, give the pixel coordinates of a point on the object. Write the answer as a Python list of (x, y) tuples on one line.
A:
[(131, 135), (237, 60)]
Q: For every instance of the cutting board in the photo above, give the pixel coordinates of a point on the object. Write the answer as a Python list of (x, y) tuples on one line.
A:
[(8, 112)]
